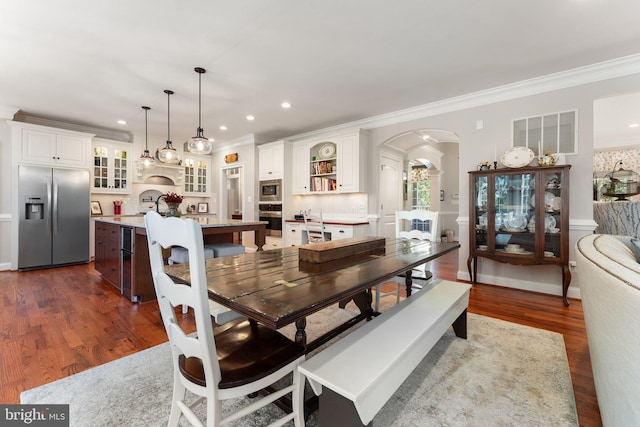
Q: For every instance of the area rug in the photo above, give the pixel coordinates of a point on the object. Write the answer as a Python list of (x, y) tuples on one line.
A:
[(504, 374)]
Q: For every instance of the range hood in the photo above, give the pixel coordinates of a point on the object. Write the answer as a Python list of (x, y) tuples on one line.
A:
[(161, 172)]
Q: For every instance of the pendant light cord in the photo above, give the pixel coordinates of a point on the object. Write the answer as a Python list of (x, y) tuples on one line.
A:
[(146, 130), (199, 101), (169, 93)]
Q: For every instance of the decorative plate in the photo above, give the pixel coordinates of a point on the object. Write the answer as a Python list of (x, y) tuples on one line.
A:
[(327, 151), (517, 157), (549, 222), (518, 222), (548, 199)]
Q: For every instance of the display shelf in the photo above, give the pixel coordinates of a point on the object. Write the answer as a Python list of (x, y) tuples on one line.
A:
[(520, 216)]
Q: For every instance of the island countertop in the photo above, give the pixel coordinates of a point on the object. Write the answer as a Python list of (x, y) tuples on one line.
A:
[(205, 221), (114, 233)]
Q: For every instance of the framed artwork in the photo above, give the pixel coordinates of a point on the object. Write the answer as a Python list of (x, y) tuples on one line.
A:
[(96, 209), (203, 207)]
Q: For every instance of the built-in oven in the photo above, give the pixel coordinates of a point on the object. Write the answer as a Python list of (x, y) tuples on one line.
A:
[(271, 191), (272, 214)]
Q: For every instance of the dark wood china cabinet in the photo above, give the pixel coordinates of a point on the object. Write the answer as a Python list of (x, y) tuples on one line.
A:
[(520, 216)]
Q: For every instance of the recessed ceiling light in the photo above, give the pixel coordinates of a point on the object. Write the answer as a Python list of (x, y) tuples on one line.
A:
[(250, 117), (634, 125), (286, 104), (122, 122), (223, 127)]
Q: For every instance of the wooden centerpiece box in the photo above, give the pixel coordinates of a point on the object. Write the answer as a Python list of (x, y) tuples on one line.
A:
[(318, 253)]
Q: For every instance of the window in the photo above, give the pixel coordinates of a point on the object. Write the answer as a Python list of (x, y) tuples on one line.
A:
[(420, 185), (555, 132)]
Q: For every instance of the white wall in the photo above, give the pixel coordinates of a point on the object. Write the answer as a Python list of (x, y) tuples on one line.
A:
[(5, 194), (478, 144)]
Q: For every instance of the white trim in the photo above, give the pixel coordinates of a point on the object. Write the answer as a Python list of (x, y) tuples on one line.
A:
[(524, 285), (619, 67), (7, 112)]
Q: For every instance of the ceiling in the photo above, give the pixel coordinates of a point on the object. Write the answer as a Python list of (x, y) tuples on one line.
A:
[(335, 61)]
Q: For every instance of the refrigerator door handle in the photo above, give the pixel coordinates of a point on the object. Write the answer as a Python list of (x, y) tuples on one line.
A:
[(48, 213), (54, 213)]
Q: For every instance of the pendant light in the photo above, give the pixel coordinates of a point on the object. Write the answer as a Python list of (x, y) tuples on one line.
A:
[(168, 154), (200, 144), (145, 160)]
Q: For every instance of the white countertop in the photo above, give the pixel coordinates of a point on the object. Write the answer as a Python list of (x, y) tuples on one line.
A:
[(204, 220)]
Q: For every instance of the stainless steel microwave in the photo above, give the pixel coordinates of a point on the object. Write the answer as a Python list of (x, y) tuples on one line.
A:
[(271, 191)]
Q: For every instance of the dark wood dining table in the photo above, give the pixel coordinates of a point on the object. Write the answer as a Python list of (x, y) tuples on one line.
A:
[(275, 288)]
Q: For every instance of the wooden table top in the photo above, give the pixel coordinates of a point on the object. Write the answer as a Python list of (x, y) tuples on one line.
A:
[(274, 288)]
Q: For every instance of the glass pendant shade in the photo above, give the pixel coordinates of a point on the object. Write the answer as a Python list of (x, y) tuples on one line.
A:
[(146, 161), (200, 144), (168, 154)]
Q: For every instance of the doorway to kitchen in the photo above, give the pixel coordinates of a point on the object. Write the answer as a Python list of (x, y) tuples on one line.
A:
[(231, 196)]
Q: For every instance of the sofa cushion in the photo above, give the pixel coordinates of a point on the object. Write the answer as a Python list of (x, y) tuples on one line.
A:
[(635, 245), (617, 249)]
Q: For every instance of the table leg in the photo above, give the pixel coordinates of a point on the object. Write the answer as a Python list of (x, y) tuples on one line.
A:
[(363, 301), (408, 282), (260, 237), (566, 280), (301, 335)]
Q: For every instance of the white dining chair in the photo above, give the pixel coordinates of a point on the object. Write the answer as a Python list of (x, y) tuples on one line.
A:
[(314, 225), (414, 224), (244, 358)]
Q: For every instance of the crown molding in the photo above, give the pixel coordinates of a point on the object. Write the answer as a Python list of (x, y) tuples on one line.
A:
[(7, 112), (606, 70), (111, 134)]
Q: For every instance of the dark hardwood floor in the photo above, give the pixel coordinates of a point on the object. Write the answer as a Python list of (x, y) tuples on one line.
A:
[(57, 322)]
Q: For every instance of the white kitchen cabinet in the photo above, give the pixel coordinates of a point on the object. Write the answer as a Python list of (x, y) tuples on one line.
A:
[(272, 243), (296, 234), (293, 233), (330, 165), (347, 231), (112, 167), (271, 161), (42, 145), (300, 169), (197, 171)]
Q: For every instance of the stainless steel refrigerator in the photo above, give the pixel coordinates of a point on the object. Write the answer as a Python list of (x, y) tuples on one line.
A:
[(54, 216)]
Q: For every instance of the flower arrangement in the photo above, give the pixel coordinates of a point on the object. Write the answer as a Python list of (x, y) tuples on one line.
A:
[(172, 198), (547, 160)]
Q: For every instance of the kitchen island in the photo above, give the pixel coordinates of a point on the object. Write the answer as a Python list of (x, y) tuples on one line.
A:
[(122, 254)]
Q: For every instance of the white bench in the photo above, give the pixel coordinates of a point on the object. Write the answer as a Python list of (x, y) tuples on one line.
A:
[(361, 371)]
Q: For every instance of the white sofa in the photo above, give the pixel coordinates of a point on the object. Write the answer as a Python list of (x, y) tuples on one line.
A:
[(610, 289)]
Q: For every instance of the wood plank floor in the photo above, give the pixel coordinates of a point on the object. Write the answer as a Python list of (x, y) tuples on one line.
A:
[(57, 322)]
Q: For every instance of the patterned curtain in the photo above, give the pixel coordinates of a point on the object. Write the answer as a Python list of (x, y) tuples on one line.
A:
[(419, 174)]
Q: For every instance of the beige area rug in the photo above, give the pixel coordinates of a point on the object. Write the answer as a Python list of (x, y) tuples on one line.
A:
[(503, 375)]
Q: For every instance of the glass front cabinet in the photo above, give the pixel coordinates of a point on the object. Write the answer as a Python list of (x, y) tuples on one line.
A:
[(520, 216), (111, 167)]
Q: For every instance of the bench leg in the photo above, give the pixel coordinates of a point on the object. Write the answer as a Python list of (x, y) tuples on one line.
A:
[(460, 325), (335, 411)]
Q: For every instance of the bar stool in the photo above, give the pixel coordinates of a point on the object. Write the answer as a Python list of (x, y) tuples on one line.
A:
[(180, 255), (224, 249)]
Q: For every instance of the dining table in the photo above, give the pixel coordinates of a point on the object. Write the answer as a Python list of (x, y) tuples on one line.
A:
[(276, 288)]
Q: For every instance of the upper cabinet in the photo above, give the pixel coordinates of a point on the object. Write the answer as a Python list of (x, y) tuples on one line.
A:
[(329, 165), (42, 145), (271, 161), (197, 171), (112, 167)]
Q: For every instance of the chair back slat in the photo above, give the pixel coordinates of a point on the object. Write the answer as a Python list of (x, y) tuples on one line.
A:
[(410, 225), (314, 225), (164, 233)]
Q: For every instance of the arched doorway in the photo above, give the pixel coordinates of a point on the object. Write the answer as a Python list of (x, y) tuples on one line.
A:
[(422, 160)]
